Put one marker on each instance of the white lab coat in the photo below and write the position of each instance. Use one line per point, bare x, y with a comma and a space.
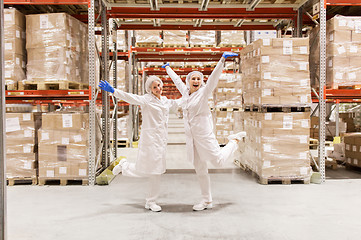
200, 139
154, 134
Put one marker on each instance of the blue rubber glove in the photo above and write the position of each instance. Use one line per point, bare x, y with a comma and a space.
229, 54
104, 85
165, 65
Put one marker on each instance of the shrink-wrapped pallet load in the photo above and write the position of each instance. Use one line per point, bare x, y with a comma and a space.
14, 42
57, 49
343, 61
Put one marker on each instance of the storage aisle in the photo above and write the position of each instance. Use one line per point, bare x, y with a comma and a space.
176, 151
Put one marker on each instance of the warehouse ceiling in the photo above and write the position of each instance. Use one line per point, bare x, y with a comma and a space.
188, 14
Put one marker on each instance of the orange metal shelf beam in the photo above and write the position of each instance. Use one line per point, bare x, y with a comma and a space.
343, 2
47, 2
343, 95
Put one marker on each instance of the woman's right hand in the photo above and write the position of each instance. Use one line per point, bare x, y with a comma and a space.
104, 85
229, 54
165, 65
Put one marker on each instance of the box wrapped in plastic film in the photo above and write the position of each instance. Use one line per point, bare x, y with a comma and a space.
122, 75
227, 123
175, 38
277, 145
343, 43
149, 38
231, 39
14, 45
202, 38
228, 93
276, 71
63, 146
57, 48
21, 145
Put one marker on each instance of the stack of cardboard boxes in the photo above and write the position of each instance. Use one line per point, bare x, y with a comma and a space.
277, 144
228, 93
275, 71
231, 39
343, 66
202, 38
227, 123
122, 75
276, 94
149, 38
15, 54
353, 149
176, 38
57, 48
21, 145
63, 146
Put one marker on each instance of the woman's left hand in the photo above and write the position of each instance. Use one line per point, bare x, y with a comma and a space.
229, 54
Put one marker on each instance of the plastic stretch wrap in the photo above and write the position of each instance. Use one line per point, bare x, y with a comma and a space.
202, 38
122, 126
276, 71
57, 46
148, 37
229, 91
277, 144
122, 75
20, 149
353, 149
343, 42
14, 45
63, 145
177, 38
227, 122
232, 38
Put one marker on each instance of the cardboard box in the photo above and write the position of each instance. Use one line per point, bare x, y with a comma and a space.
13, 17
65, 121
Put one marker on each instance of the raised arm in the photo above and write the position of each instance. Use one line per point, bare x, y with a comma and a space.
176, 79
217, 71
127, 97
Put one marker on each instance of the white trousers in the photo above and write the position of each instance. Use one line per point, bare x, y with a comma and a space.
200, 165
128, 169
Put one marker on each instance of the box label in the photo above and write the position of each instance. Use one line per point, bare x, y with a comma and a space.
265, 59
267, 75
341, 50
67, 121
65, 141
268, 116
17, 34
44, 21
8, 17
7, 74
303, 170
50, 173
27, 117
267, 148
27, 149
27, 164
287, 122
44, 135
12, 124
303, 50
77, 138
8, 46
82, 172
28, 133
62, 170
305, 123
353, 49
266, 164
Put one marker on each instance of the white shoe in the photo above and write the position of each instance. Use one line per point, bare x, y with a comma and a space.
118, 168
237, 136
202, 206
153, 207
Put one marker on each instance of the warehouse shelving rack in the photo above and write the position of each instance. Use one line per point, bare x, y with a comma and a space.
263, 13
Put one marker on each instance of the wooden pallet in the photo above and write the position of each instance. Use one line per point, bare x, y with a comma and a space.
313, 144
22, 180
11, 86
228, 109
63, 181
231, 45
278, 179
121, 143
175, 45
203, 45
49, 85
276, 108
283, 180
148, 45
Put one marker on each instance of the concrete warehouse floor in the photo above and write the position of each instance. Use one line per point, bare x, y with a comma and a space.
243, 209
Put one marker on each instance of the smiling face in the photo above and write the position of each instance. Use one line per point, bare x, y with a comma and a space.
195, 82
157, 88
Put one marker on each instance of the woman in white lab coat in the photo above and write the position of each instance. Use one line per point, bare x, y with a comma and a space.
153, 138
202, 145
